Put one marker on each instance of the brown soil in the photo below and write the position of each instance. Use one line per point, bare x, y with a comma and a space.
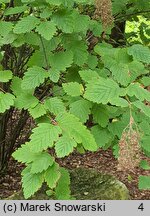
103, 161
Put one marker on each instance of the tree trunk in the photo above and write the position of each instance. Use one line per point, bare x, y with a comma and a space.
118, 34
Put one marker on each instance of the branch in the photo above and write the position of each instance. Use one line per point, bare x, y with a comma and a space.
132, 14
2, 90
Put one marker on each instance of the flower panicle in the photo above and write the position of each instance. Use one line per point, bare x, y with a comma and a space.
104, 11
129, 148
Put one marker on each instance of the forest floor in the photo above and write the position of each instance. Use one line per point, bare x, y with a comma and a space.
103, 161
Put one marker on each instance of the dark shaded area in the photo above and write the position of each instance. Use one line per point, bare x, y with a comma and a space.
103, 161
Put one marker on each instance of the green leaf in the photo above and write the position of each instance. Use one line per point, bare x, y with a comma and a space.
119, 102
96, 28
102, 136
79, 50
92, 61
27, 1
100, 115
37, 111
49, 193
15, 10
136, 69
44, 136
145, 143
138, 91
16, 86
26, 24
54, 105
72, 74
84, 21
88, 75
8, 39
144, 124
52, 175
144, 182
64, 20
145, 165
5, 28
6, 101
32, 38
64, 146
24, 154
54, 75
73, 89
119, 6
31, 183
61, 60
37, 59
34, 77
145, 81
75, 129
55, 2
102, 90
25, 101
65, 3
81, 109
116, 151
120, 72
5, 75
62, 190
46, 29
117, 127
117, 62
140, 53
145, 109
41, 162
46, 13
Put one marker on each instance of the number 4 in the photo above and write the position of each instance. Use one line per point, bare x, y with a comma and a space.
141, 207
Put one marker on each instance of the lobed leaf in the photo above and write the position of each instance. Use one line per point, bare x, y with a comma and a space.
71, 126
81, 109
73, 89
62, 190
140, 53
138, 91
102, 90
6, 101
41, 162
37, 111
34, 77
5, 75
54, 105
101, 135
64, 146
44, 136
31, 183
24, 154
145, 109
46, 29
26, 24
144, 182
52, 175
25, 101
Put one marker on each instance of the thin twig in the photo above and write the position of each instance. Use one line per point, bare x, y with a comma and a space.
132, 14
2, 90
